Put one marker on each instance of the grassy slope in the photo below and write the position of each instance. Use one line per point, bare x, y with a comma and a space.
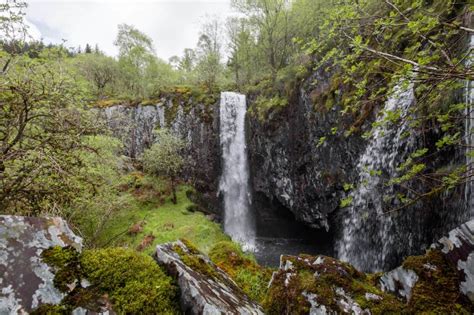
167, 222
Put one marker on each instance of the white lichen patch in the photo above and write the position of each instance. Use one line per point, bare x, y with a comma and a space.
400, 281
467, 286
27, 282
316, 308
318, 261
372, 297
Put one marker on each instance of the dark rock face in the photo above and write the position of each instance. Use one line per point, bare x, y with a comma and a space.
205, 289
291, 167
27, 281
288, 165
196, 123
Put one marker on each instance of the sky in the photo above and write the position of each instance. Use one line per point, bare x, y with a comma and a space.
172, 24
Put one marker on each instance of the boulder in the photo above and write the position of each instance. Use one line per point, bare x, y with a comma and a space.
452, 255
204, 288
26, 281
323, 285
440, 282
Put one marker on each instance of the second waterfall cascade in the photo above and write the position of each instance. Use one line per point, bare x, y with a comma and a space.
234, 182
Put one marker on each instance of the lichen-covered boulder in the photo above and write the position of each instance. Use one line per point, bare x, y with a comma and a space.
323, 285
204, 288
440, 280
458, 248
26, 281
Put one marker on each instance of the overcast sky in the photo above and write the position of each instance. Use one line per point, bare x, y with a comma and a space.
172, 24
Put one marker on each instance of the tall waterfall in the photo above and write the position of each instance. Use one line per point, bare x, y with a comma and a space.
468, 132
366, 238
234, 182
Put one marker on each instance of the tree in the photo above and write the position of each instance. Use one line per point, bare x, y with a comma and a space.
242, 43
136, 54
373, 46
41, 131
88, 49
209, 54
164, 158
272, 19
100, 70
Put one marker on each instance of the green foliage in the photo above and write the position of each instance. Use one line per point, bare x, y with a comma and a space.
164, 158
42, 123
263, 106
346, 202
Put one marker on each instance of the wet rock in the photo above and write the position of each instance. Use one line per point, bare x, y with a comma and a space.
26, 281
205, 289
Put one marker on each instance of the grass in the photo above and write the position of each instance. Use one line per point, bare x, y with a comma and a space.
166, 221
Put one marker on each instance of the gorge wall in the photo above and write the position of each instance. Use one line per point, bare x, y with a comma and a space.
291, 167
191, 117
297, 177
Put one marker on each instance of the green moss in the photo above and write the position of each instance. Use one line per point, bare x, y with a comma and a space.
437, 289
252, 278
194, 259
133, 282
323, 279
48, 309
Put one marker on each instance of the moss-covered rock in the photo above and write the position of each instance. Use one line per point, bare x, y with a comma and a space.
306, 284
437, 288
113, 278
251, 277
204, 287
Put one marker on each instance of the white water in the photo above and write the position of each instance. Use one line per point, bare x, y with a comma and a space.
366, 237
234, 182
468, 133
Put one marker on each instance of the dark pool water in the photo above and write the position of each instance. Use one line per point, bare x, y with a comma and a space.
269, 249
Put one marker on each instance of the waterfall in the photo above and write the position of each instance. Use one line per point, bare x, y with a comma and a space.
234, 182
366, 232
468, 134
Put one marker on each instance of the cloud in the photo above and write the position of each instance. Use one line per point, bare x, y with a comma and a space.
173, 25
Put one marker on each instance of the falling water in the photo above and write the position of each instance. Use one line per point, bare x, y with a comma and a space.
238, 221
366, 237
468, 134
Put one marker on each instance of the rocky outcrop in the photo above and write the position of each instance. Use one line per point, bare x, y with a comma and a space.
26, 280
456, 250
193, 118
438, 282
205, 288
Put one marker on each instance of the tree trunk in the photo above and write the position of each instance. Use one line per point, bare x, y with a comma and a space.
174, 198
